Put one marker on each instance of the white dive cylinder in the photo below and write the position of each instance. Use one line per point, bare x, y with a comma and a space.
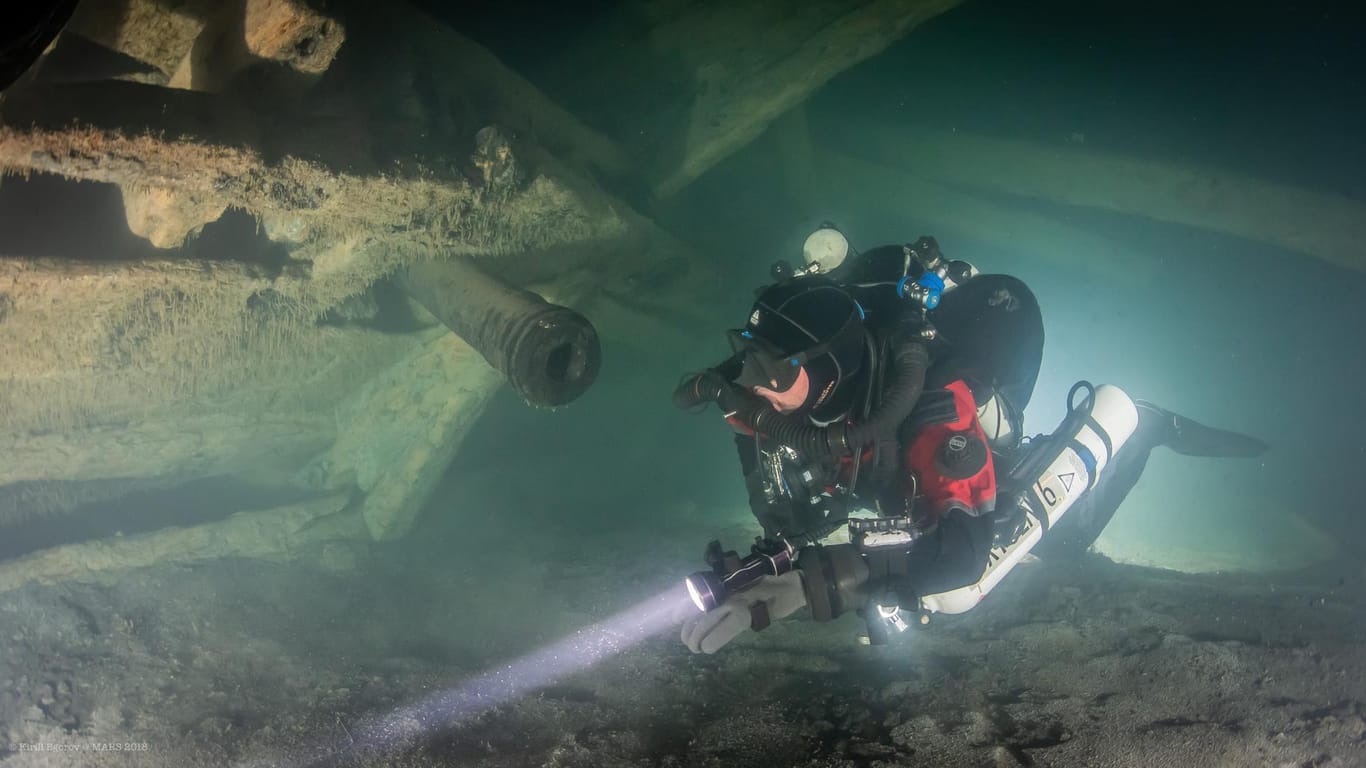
1067, 465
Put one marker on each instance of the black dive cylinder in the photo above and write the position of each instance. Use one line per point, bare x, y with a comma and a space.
549, 354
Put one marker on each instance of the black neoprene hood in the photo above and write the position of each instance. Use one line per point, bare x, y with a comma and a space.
807, 323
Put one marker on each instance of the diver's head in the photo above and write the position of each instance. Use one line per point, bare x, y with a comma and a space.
803, 348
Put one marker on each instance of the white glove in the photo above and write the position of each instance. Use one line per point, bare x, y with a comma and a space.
707, 632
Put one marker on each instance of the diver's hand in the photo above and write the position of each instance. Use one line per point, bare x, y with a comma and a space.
737, 402
698, 388
708, 386
781, 596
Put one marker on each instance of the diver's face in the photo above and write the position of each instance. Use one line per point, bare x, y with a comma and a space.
789, 399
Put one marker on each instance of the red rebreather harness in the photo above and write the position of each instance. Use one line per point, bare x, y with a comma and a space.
947, 464
952, 460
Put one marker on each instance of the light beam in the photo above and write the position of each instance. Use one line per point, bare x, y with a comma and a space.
512, 680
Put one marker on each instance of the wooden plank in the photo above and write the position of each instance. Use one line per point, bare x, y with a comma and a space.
685, 85
945, 211
275, 534
1326, 226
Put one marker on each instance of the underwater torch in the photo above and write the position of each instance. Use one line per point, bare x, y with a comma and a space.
730, 574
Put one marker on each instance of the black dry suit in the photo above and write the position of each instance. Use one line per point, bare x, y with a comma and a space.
989, 335
864, 377
914, 376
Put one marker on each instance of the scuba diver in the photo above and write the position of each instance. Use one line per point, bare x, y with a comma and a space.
892, 383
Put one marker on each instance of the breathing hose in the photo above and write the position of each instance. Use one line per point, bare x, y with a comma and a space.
837, 440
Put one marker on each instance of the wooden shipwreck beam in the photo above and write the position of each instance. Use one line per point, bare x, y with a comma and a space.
956, 214
186, 367
695, 82
1329, 227
159, 34
145, 137
275, 534
203, 45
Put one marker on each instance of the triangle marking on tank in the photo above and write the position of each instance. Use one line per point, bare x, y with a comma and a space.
1066, 478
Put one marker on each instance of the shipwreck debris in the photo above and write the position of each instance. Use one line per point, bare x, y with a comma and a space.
549, 354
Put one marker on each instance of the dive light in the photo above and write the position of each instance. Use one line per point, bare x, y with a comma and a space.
730, 574
881, 540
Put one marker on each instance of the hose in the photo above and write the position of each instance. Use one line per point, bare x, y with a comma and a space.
844, 439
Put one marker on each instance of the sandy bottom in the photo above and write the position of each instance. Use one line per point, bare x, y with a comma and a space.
1207, 516
1095, 664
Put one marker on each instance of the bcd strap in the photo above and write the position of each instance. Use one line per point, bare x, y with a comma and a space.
758, 616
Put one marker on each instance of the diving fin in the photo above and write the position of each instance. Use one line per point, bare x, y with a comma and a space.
1191, 438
